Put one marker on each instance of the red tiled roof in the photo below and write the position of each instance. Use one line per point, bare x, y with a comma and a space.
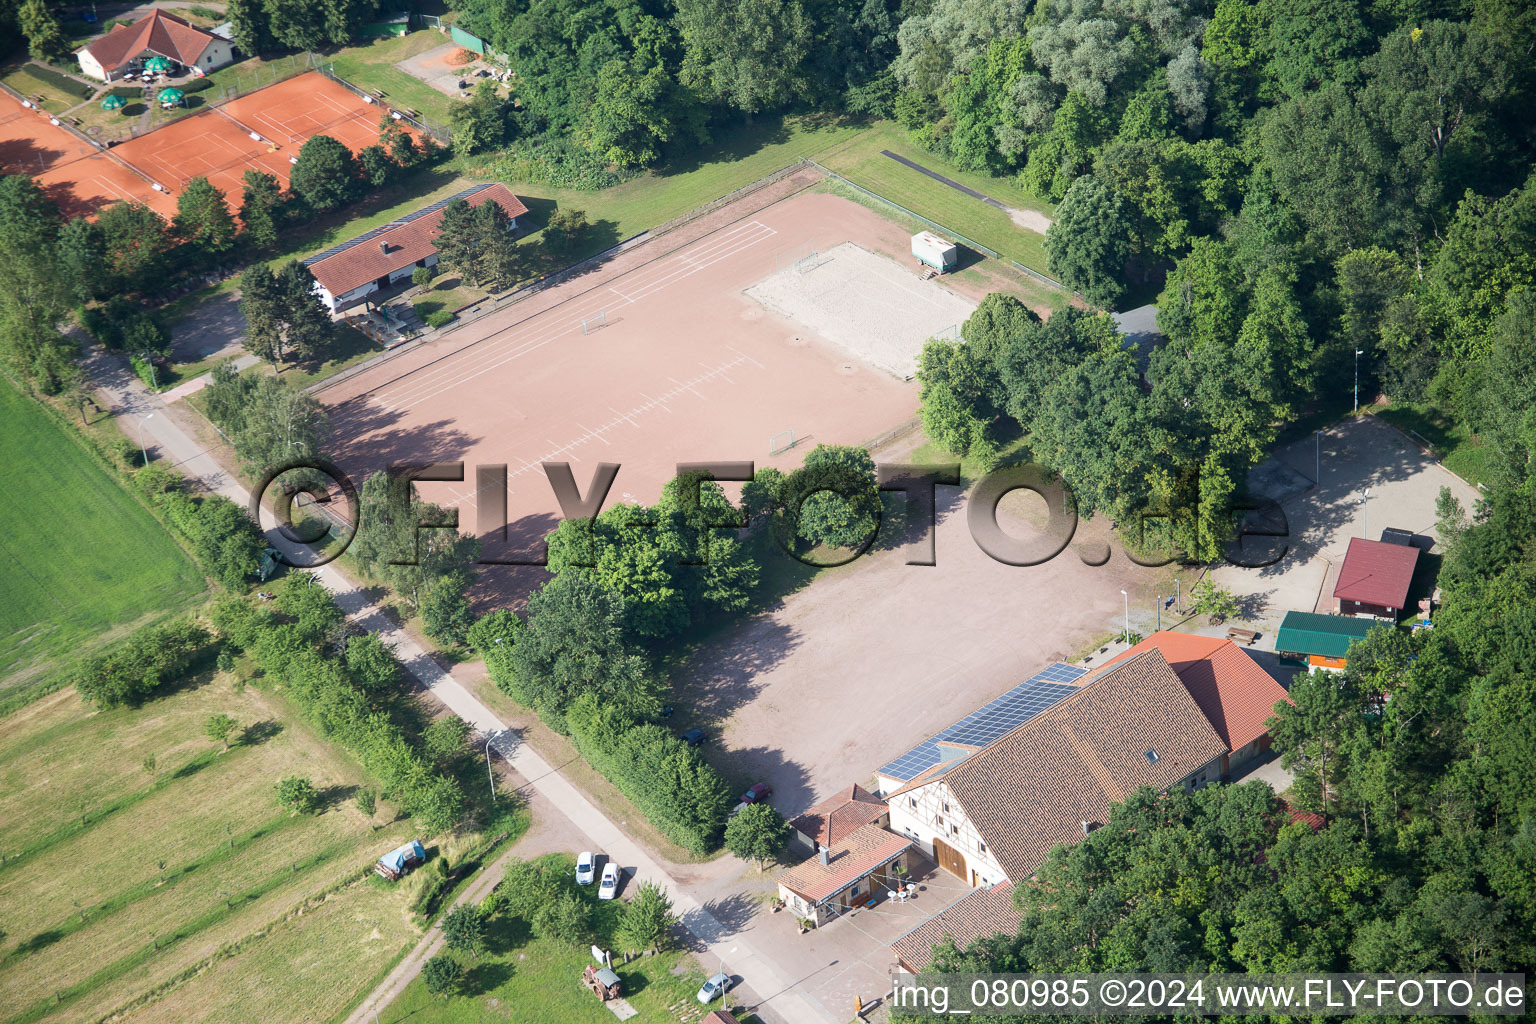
984, 912
720, 1017
363, 259
1376, 573
1032, 789
1234, 693
832, 819
159, 32
859, 853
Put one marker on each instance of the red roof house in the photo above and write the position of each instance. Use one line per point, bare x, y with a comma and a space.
988, 911
157, 35
348, 273
847, 874
1234, 693
831, 820
1375, 577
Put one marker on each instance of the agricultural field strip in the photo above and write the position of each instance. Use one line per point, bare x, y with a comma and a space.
150, 887
733, 241
90, 819
164, 942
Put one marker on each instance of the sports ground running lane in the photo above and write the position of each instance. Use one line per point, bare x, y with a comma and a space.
131, 399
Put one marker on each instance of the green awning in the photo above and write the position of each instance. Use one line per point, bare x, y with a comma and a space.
1327, 635
113, 102
157, 64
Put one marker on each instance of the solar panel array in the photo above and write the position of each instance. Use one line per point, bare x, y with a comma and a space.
376, 232
981, 727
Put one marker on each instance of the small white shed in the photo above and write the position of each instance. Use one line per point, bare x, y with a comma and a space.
931, 250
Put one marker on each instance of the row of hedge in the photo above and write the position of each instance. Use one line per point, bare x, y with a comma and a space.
297, 642
679, 792
147, 659
226, 542
64, 83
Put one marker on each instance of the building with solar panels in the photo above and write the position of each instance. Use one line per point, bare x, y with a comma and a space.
976, 730
990, 813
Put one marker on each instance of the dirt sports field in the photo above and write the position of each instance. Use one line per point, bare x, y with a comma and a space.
217, 144
685, 367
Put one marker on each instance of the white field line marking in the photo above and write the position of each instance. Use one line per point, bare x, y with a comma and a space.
559, 452
448, 376
417, 390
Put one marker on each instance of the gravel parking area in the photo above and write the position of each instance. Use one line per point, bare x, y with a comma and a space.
1346, 459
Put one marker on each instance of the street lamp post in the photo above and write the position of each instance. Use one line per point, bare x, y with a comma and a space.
490, 774
1127, 615
726, 985
143, 452
1358, 353
1178, 602
1317, 458
1365, 530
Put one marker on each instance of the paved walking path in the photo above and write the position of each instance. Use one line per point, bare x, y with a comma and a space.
761, 975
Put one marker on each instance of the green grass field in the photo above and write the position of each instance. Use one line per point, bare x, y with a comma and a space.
862, 162
522, 977
371, 64
1461, 451
82, 560
257, 914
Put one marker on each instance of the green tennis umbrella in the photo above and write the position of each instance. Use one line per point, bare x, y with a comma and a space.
113, 102
172, 95
157, 64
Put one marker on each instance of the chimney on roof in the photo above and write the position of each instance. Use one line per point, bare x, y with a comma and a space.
384, 248
822, 854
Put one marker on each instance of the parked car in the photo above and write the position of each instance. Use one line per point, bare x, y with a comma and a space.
714, 988
608, 888
757, 794
585, 868
694, 737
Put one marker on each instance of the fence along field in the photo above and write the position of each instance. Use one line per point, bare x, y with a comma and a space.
82, 560
117, 882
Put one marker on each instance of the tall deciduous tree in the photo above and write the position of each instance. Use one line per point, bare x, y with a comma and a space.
757, 833
646, 921
745, 53
1091, 240
261, 209
203, 218
327, 176
34, 288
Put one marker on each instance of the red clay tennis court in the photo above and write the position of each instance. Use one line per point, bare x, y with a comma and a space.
263, 130
207, 145
297, 109
76, 175
29, 144
82, 187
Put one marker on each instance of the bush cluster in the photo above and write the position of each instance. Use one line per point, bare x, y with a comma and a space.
560, 165
133, 669
679, 792
225, 541
297, 643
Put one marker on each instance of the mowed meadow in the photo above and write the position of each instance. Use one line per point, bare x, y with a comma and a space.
81, 559
178, 889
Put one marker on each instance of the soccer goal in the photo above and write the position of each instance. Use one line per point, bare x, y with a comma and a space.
594, 323
808, 263
783, 441
950, 333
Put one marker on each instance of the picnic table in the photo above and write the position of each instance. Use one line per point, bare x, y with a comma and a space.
1247, 636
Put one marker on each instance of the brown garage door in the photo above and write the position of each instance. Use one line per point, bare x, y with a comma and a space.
949, 858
